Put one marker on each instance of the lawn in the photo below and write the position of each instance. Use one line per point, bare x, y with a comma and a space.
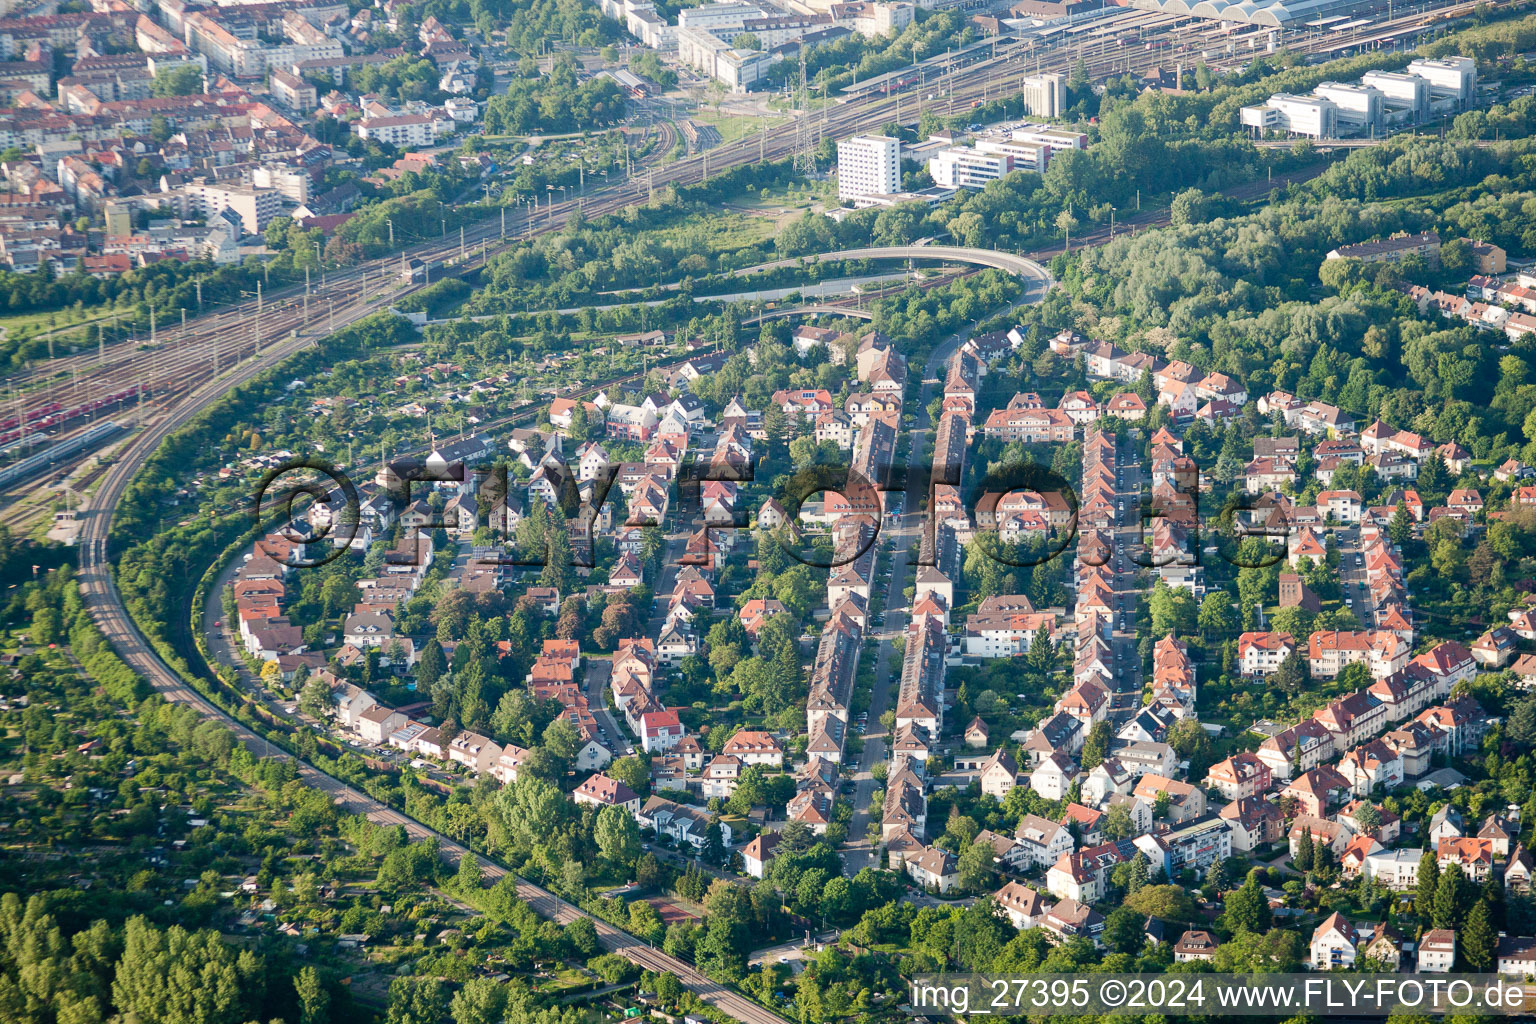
733, 126
565, 981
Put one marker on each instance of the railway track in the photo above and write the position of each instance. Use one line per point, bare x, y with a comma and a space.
213, 342
104, 603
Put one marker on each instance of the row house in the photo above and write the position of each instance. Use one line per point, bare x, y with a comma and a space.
1318, 791
1254, 823
1030, 426
1372, 764
1382, 651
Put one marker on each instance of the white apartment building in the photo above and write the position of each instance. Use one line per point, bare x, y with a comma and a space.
1045, 95
868, 165
641, 21
239, 53
255, 206
872, 19
292, 184
410, 130
722, 17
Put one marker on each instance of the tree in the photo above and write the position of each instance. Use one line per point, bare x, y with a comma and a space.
315, 698
186, 80
416, 1001
469, 875
1450, 897
1130, 876
1478, 938
1216, 621
714, 842
1168, 902
975, 865
1247, 908
1096, 746
1188, 207
1305, 855
617, 835
632, 772
479, 1001
431, 665
1400, 528
1125, 931
1042, 653
314, 1000
1291, 676
1428, 881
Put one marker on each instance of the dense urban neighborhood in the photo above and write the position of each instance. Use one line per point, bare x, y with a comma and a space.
547, 512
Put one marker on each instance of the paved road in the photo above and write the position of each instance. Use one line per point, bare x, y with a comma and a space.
908, 530
859, 853
1124, 643
105, 605
598, 671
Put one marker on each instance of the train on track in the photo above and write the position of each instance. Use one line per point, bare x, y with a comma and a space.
65, 448
52, 414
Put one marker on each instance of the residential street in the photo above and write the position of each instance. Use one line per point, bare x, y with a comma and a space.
859, 852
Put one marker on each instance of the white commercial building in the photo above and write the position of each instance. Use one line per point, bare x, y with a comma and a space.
1400, 91
1311, 116
726, 17
868, 165
958, 167
707, 52
1359, 107
1025, 156
1055, 139
1045, 95
1453, 77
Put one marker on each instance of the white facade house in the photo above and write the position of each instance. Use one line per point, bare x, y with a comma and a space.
1333, 944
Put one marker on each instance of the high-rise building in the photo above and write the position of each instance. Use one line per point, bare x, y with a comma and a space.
868, 165
1045, 95
119, 218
